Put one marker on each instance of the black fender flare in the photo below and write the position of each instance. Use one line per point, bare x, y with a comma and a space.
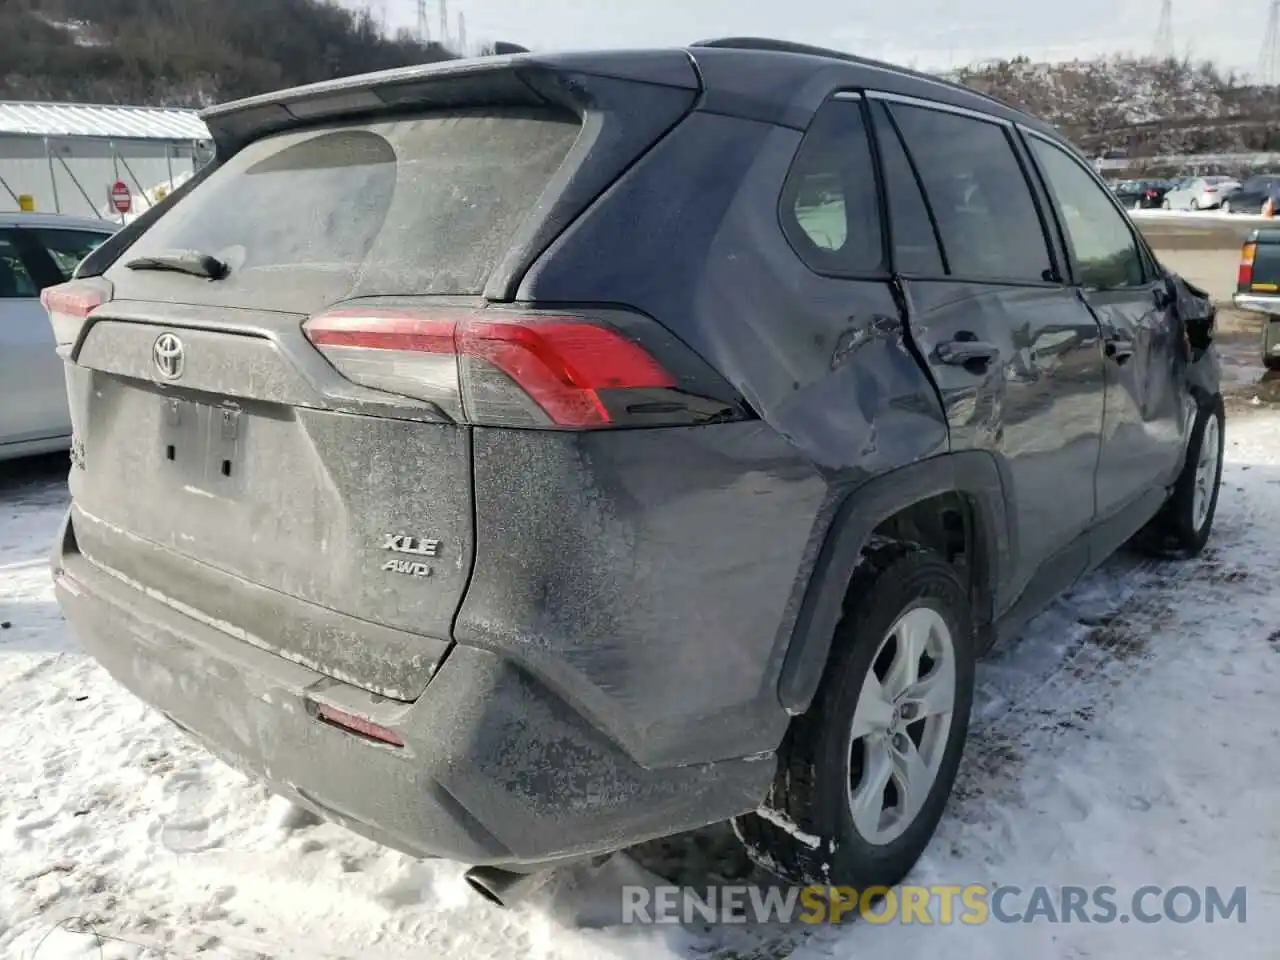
974, 474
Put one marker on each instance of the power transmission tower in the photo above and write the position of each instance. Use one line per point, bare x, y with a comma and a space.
444, 23
424, 26
1269, 61
1164, 48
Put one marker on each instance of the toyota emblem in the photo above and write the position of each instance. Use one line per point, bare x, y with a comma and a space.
168, 355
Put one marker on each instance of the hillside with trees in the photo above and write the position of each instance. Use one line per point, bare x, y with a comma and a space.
195, 52
187, 53
1139, 107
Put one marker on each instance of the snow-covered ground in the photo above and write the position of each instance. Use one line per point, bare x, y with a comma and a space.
1193, 216
1131, 737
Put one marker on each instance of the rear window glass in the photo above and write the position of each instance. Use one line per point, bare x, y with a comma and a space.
402, 206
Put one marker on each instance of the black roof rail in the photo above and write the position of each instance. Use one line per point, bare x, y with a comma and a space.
787, 46
777, 46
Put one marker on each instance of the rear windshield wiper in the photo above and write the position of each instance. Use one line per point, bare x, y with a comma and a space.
183, 261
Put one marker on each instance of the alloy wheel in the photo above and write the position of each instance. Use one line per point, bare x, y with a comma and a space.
901, 725
1206, 473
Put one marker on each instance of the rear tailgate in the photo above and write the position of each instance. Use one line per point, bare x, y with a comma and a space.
225, 467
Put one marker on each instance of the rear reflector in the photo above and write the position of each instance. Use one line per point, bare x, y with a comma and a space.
1244, 277
492, 368
356, 724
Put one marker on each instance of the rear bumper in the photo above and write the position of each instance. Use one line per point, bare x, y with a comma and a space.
1268, 303
496, 769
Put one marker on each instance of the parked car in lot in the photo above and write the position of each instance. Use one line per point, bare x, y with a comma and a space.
1253, 194
1200, 193
1142, 194
36, 251
1258, 289
614, 466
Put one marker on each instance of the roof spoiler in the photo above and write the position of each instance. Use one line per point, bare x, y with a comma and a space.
514, 79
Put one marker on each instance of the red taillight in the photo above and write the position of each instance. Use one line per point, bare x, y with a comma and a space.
70, 304
1151, 194
565, 365
73, 299
356, 724
1210, 189
1244, 277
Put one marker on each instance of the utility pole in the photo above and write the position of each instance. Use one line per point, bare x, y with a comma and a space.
1164, 48
424, 27
462, 33
444, 23
1269, 61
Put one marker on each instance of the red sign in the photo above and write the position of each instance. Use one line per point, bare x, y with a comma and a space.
121, 198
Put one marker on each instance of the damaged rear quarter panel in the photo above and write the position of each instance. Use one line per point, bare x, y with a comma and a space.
679, 626
822, 359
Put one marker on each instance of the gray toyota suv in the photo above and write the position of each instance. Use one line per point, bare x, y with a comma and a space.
519, 458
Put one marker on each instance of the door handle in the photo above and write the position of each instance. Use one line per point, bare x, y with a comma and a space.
1119, 350
959, 353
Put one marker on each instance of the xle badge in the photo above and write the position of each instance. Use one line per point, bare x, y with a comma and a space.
416, 546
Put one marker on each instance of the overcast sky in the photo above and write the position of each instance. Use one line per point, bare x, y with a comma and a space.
928, 33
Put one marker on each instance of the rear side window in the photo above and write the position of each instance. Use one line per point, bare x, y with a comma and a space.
830, 210
979, 195
1105, 252
15, 279
68, 247
405, 206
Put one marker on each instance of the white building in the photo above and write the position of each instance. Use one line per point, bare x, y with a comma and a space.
64, 158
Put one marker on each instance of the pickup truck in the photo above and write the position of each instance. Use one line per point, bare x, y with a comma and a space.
1258, 288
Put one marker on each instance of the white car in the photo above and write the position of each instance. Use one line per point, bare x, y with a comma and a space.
36, 251
1200, 193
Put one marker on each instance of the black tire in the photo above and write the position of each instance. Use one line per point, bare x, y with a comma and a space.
1175, 529
807, 832
1271, 363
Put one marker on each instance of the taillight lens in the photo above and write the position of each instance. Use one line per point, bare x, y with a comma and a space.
70, 304
509, 369
1244, 277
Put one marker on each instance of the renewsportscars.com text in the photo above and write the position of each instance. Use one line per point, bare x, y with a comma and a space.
942, 904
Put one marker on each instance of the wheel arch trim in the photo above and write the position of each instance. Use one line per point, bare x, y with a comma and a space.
974, 475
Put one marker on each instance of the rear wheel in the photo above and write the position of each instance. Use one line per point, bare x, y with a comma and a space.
863, 776
1271, 363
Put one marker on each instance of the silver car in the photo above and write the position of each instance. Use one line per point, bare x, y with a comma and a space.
36, 251
1200, 193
